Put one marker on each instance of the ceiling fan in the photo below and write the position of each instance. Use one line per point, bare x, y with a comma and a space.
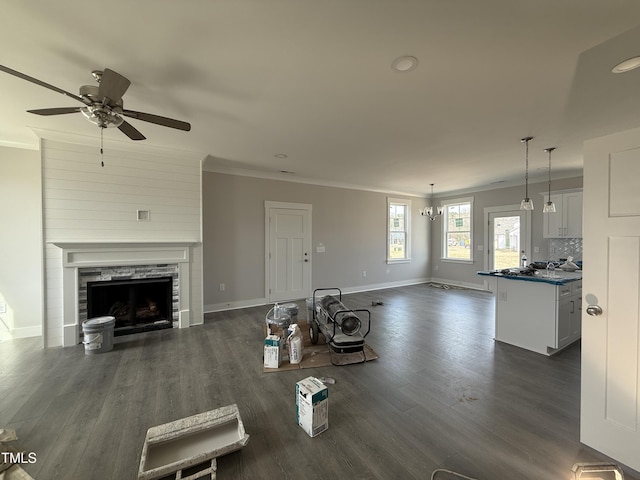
103, 103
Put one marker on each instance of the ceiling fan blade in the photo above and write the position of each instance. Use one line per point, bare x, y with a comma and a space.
15, 73
55, 111
164, 121
130, 131
112, 85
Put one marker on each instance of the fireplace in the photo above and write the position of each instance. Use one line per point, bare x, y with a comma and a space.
140, 297
138, 305
84, 263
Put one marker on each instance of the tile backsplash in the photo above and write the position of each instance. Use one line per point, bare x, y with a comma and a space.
565, 247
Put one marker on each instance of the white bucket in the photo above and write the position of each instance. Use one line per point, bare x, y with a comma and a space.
98, 335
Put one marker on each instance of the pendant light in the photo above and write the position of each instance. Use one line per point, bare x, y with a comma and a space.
549, 207
527, 203
428, 212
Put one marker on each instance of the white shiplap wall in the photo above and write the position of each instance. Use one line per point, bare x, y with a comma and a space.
85, 202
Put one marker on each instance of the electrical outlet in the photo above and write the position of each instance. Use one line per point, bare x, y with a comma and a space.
364, 273
3, 307
222, 287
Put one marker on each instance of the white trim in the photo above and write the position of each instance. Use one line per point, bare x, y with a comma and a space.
457, 201
25, 332
123, 145
224, 306
526, 241
287, 177
382, 286
112, 254
258, 302
284, 177
34, 145
268, 205
407, 222
560, 192
455, 283
76, 255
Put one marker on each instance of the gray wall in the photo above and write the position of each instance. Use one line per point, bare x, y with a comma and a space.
21, 241
465, 274
350, 223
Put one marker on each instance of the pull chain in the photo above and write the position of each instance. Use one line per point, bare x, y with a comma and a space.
101, 145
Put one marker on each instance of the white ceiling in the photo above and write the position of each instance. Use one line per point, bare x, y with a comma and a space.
313, 80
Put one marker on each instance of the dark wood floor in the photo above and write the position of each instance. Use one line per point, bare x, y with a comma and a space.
443, 394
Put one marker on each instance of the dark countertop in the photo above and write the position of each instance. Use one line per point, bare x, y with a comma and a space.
560, 277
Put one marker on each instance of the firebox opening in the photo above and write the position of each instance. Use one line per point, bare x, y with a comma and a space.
138, 305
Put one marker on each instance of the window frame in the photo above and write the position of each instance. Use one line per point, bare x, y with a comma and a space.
445, 222
407, 230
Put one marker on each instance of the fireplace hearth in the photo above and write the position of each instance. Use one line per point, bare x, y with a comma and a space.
138, 305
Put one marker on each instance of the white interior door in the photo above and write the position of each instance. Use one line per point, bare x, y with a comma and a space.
610, 397
288, 251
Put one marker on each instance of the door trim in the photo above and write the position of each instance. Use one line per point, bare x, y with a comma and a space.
268, 205
524, 241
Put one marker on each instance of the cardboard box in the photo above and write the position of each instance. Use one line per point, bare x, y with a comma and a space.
312, 406
272, 351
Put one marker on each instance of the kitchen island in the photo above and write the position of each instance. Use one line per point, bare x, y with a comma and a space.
540, 312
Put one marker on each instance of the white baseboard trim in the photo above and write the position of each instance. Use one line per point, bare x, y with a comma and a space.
27, 332
454, 283
257, 302
382, 286
221, 307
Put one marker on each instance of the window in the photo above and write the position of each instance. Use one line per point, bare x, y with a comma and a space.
398, 233
457, 222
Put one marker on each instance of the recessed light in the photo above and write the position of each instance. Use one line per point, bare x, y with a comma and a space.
627, 65
281, 155
404, 64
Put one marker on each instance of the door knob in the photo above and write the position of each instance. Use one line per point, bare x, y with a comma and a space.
594, 310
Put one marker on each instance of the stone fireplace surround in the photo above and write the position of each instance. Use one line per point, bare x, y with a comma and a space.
79, 258
129, 272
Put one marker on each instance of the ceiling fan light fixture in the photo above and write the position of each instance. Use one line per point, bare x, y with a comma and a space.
627, 65
101, 117
404, 64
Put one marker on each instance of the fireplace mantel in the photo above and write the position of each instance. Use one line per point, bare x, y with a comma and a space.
89, 254
77, 255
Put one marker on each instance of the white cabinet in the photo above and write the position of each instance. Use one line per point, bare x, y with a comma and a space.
576, 310
567, 219
539, 316
568, 314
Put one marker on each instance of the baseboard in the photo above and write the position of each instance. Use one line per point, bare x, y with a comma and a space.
455, 283
221, 307
27, 332
257, 302
382, 286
